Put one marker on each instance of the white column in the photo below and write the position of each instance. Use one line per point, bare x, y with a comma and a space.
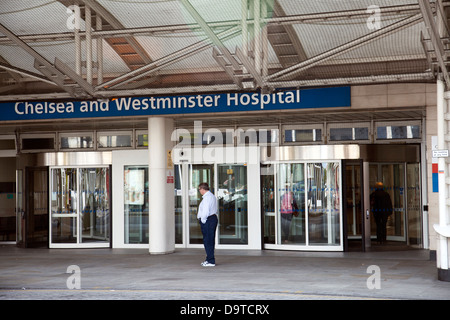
442, 253
161, 190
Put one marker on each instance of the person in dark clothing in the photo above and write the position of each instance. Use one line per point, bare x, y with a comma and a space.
381, 204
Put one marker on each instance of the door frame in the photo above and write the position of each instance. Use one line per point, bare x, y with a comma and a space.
78, 243
307, 246
248, 156
346, 183
26, 213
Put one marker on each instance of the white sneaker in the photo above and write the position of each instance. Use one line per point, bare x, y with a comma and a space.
207, 264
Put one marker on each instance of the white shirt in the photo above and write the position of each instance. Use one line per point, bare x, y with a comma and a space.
207, 207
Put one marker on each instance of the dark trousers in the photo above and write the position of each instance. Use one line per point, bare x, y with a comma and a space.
209, 237
381, 222
286, 219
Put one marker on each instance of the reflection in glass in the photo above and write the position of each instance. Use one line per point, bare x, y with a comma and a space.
413, 205
142, 140
291, 199
94, 204
398, 132
323, 203
353, 199
114, 141
232, 196
268, 203
197, 174
178, 205
77, 142
303, 135
136, 204
349, 134
393, 178
64, 205
80, 205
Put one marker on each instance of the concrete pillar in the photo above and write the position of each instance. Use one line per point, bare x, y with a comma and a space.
161, 187
442, 252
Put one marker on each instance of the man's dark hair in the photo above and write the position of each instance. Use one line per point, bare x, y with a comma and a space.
203, 186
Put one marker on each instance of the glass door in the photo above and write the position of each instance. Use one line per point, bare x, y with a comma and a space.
268, 203
94, 212
34, 219
197, 173
324, 203
80, 207
392, 176
64, 205
232, 197
291, 203
353, 205
413, 204
301, 203
136, 204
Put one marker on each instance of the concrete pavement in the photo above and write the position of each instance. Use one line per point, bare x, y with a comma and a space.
119, 274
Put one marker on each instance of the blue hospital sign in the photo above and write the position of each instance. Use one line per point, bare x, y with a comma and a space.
182, 104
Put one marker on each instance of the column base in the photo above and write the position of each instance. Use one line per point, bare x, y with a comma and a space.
444, 275
161, 252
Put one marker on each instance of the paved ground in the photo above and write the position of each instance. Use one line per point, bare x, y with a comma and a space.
124, 274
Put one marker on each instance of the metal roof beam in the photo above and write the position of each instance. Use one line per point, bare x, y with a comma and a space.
433, 32
25, 73
120, 31
351, 45
426, 76
210, 33
41, 64
167, 60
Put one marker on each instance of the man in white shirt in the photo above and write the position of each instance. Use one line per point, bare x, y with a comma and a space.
207, 216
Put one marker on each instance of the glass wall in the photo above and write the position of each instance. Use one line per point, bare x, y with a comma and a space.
302, 205
291, 199
178, 205
324, 203
94, 204
413, 206
136, 204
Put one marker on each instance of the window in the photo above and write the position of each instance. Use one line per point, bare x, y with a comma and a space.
349, 132
141, 139
398, 131
7, 146
208, 137
257, 136
76, 141
37, 142
114, 140
303, 134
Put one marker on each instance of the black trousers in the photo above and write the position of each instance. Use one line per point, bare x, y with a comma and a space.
209, 237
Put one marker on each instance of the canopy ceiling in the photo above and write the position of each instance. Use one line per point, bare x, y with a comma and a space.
133, 47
